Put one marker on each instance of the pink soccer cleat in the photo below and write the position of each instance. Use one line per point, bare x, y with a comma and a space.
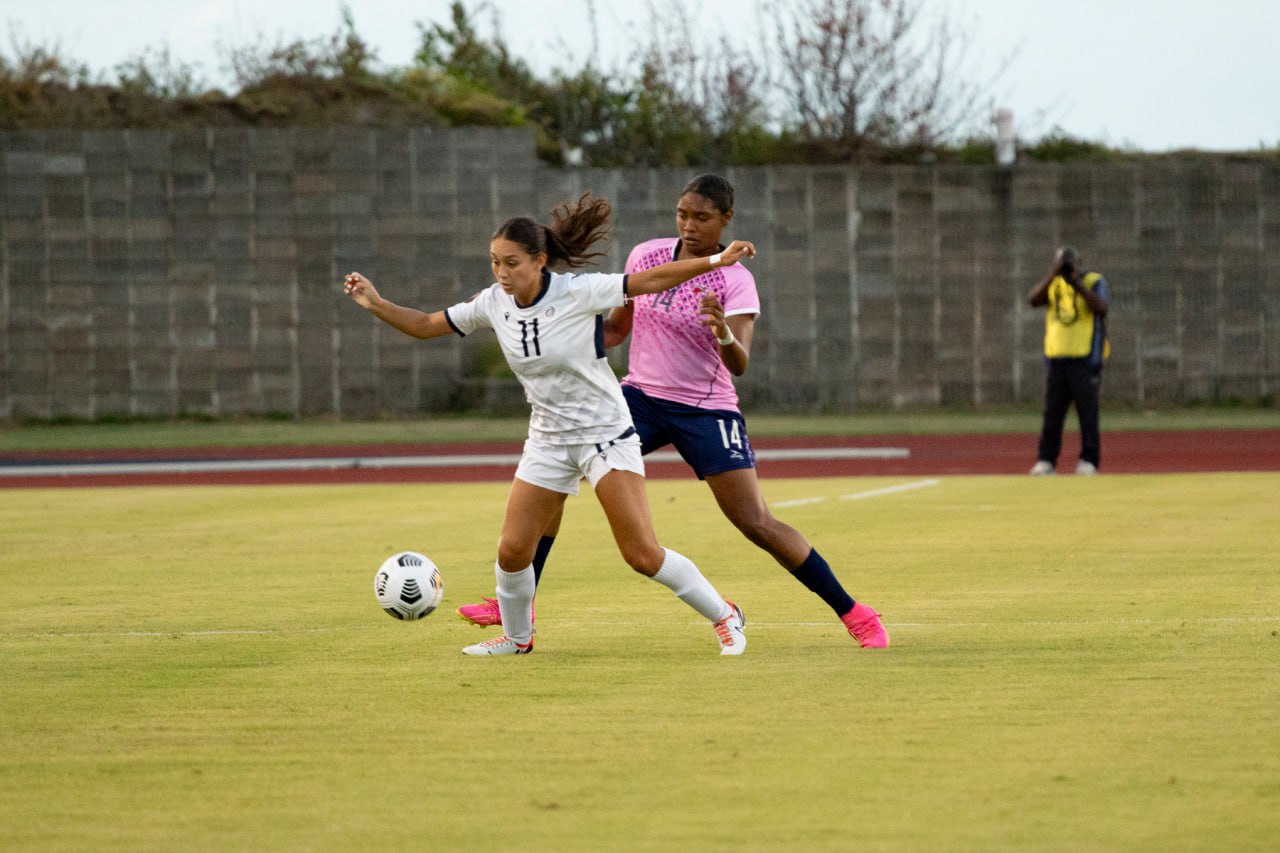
865, 627
485, 614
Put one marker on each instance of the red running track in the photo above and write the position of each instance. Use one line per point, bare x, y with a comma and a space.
1170, 451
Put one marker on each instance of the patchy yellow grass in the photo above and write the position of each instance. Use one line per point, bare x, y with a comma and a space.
1077, 663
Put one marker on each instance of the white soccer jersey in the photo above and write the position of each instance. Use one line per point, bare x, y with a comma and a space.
555, 347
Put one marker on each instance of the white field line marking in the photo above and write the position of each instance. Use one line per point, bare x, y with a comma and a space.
857, 496
891, 490
247, 632
799, 502
343, 463
577, 623
1059, 623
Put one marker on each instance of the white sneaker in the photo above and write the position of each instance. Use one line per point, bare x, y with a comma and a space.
1041, 469
503, 645
729, 631
1087, 468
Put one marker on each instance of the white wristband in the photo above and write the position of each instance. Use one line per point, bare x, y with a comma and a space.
715, 260
727, 339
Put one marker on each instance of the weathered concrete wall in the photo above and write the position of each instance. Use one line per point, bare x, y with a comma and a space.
151, 273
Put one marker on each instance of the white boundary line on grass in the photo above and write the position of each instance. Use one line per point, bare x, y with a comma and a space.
1219, 620
243, 632
858, 496
1058, 623
344, 463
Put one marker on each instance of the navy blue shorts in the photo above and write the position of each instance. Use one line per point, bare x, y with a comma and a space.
712, 441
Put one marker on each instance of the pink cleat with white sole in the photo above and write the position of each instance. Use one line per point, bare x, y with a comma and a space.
485, 614
864, 626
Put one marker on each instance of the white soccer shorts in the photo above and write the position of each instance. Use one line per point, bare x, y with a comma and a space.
560, 467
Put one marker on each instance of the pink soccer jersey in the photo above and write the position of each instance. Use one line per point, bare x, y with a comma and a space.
673, 356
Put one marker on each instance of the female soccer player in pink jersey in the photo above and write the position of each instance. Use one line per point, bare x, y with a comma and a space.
550, 327
687, 343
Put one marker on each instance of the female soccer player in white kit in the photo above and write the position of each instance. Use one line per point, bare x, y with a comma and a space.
550, 327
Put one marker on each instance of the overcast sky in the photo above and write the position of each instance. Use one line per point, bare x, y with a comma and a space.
1145, 74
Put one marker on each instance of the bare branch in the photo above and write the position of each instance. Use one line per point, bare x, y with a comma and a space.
865, 75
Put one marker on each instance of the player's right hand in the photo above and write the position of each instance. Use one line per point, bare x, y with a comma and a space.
736, 251
360, 289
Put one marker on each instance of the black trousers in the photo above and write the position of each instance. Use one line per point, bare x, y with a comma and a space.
1067, 381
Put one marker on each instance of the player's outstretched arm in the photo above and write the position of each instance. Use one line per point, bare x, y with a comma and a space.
668, 275
411, 321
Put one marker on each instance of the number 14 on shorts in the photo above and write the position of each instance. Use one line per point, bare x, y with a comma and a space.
730, 434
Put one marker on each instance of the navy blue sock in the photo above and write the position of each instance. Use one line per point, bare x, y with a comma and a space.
540, 556
816, 575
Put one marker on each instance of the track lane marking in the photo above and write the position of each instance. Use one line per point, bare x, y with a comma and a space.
348, 463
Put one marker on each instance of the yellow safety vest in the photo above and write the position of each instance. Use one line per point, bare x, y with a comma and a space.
1069, 322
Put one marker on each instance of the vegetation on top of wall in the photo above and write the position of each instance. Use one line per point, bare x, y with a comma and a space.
831, 81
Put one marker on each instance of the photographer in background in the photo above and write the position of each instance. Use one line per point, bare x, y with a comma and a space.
1075, 346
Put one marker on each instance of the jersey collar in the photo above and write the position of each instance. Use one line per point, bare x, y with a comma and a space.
675, 250
542, 291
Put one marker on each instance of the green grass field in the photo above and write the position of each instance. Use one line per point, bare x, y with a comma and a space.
1077, 664
445, 428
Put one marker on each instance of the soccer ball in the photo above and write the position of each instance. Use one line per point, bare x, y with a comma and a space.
408, 586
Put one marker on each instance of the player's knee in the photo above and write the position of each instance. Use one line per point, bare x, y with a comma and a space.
758, 525
514, 556
646, 559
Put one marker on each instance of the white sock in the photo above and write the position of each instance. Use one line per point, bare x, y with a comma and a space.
681, 576
515, 602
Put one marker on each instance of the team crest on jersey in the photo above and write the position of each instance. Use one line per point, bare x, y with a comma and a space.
551, 312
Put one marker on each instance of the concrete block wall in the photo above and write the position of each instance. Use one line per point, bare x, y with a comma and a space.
907, 285
195, 272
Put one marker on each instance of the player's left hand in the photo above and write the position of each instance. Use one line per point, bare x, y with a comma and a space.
711, 314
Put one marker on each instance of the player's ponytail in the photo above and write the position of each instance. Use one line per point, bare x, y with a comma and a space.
569, 238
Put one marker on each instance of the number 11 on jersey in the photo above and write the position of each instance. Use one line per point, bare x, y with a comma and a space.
525, 340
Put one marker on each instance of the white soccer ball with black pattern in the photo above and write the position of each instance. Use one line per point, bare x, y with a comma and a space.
408, 586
